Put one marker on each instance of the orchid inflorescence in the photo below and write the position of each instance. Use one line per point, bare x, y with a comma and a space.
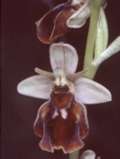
62, 121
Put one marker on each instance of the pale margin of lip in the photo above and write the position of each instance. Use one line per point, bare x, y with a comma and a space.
41, 114
90, 92
36, 86
63, 57
88, 154
113, 48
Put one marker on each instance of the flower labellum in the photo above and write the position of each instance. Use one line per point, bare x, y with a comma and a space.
57, 21
62, 122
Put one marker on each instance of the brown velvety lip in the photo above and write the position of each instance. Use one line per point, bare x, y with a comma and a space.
59, 133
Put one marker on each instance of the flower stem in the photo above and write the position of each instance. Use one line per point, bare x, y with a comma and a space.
89, 52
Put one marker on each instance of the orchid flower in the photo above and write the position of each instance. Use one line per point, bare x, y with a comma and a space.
57, 21
62, 122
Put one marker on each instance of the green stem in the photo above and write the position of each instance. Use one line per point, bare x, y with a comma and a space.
89, 52
91, 72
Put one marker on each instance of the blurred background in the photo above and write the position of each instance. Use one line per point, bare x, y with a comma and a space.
21, 52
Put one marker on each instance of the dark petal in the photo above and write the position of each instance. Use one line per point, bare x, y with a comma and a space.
38, 124
52, 24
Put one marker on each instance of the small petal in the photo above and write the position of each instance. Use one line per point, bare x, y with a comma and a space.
89, 92
63, 57
88, 154
78, 18
36, 86
44, 73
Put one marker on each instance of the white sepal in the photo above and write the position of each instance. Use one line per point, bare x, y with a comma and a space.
78, 19
63, 57
90, 92
36, 86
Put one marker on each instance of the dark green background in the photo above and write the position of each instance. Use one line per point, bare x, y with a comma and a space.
21, 52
